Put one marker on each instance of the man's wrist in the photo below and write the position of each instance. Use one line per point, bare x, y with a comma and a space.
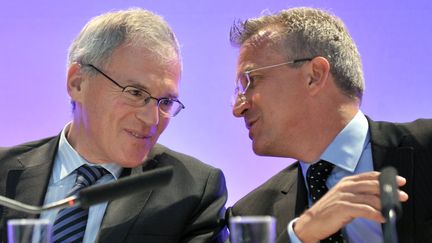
299, 227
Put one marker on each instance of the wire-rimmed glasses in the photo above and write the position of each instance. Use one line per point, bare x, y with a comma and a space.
168, 107
244, 80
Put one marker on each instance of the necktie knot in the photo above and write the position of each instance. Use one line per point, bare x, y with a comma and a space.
86, 176
70, 223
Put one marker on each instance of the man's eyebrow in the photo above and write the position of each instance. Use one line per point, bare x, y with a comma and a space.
132, 83
250, 67
136, 84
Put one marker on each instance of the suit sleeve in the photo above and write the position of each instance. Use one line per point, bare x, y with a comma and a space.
207, 223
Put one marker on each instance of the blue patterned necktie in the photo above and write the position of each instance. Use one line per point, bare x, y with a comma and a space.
316, 176
70, 223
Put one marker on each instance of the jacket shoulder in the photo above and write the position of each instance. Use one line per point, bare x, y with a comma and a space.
6, 152
416, 133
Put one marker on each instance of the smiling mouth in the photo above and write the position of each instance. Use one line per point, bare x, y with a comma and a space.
137, 135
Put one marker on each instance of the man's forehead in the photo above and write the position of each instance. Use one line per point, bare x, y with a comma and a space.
263, 46
262, 38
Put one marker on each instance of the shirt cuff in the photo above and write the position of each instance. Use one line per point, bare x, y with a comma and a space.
291, 234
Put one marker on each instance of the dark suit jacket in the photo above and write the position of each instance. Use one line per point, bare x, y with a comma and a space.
189, 209
407, 147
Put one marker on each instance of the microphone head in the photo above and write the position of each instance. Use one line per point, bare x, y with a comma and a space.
389, 192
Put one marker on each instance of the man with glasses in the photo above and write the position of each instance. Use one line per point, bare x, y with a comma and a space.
299, 88
123, 76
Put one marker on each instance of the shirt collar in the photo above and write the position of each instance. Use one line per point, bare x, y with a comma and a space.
68, 159
347, 147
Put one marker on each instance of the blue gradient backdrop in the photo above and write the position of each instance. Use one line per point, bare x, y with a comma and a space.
394, 39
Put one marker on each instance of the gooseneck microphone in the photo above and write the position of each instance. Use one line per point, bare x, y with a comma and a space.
391, 207
88, 196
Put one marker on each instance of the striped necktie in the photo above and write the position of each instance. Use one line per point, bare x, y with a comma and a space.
70, 223
316, 176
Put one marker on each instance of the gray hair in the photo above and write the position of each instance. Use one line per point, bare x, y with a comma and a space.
138, 27
307, 33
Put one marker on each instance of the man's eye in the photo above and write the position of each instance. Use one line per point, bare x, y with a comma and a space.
135, 92
166, 102
253, 79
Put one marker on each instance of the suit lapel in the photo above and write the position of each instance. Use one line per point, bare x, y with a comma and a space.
387, 150
293, 201
27, 180
121, 214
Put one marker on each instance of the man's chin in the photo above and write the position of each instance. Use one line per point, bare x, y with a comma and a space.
134, 161
262, 149
258, 149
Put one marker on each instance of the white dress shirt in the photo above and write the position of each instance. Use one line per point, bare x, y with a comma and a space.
63, 178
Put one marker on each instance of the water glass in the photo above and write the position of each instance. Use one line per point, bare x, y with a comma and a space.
252, 229
29, 231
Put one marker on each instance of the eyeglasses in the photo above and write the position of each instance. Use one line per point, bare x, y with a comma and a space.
244, 80
168, 107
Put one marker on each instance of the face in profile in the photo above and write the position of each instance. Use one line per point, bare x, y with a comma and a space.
273, 105
107, 126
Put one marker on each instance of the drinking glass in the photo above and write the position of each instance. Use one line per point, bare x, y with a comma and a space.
252, 229
29, 231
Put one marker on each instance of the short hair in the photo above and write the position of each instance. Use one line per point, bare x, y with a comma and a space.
104, 33
306, 33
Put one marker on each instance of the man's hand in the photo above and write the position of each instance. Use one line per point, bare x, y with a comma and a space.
354, 196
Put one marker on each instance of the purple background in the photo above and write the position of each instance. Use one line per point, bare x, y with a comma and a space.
394, 39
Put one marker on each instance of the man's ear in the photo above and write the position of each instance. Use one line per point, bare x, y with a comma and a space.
318, 74
75, 81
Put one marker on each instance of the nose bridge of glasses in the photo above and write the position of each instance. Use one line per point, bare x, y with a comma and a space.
161, 110
147, 100
150, 108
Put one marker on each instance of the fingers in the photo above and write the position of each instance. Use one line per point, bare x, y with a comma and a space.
364, 186
372, 200
403, 196
373, 175
400, 181
334, 211
364, 199
367, 182
356, 196
364, 210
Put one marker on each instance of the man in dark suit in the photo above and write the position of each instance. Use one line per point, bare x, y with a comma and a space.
299, 89
123, 76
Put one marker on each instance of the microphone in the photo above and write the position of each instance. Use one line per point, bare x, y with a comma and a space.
390, 205
88, 196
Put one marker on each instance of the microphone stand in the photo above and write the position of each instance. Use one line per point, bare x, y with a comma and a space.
391, 207
95, 194
19, 206
389, 228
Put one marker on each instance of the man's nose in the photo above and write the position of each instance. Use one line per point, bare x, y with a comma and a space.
149, 114
241, 107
